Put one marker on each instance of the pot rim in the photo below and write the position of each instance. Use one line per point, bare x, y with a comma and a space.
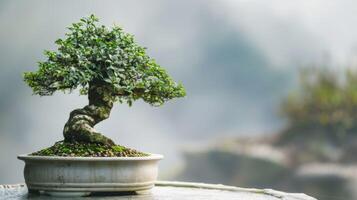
26, 157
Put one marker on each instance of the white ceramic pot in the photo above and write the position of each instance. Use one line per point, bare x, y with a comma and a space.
79, 176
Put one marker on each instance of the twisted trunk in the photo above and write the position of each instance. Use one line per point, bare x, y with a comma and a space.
81, 122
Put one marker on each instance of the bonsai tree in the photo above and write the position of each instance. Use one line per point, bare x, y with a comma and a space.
107, 65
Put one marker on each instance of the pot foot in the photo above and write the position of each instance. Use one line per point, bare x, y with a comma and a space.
67, 194
143, 192
32, 191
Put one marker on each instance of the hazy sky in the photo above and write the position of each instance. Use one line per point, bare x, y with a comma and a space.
237, 59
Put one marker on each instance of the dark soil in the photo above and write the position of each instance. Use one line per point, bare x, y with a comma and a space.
75, 149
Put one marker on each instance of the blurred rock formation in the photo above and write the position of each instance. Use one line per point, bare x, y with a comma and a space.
258, 162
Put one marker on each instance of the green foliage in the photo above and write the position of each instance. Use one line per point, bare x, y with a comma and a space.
325, 105
92, 54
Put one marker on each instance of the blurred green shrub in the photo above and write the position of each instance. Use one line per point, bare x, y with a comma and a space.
324, 107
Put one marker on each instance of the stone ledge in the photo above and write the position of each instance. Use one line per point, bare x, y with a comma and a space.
271, 192
166, 190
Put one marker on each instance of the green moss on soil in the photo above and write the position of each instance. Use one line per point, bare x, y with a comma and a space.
74, 149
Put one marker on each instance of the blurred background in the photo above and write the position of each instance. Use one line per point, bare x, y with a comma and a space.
271, 89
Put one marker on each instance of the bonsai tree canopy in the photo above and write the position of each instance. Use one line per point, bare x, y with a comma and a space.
107, 65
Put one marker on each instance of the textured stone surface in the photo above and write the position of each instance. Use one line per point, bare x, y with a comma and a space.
171, 191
